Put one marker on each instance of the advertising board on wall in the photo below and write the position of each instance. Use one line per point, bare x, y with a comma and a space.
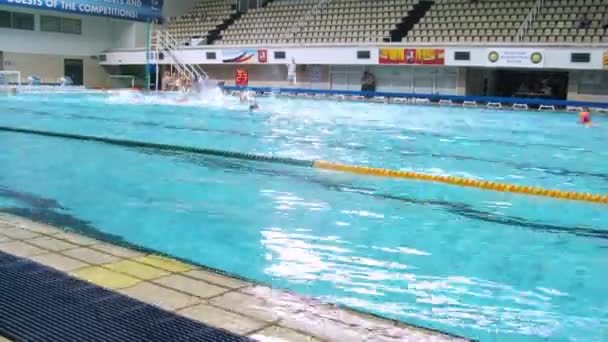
245, 56
605, 60
514, 57
138, 10
420, 56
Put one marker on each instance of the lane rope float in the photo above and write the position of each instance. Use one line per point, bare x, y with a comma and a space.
466, 182
325, 165
165, 147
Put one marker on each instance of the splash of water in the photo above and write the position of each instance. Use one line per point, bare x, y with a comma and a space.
204, 93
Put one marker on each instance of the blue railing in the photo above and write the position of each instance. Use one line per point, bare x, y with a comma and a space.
431, 97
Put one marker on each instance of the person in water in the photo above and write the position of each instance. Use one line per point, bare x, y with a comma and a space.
585, 117
253, 103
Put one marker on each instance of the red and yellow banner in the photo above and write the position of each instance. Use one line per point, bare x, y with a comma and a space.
426, 56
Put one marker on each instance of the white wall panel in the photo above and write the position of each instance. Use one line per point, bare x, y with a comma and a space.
554, 57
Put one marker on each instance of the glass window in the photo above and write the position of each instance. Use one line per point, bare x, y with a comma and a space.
58, 24
446, 81
338, 80
424, 80
593, 82
23, 21
50, 24
72, 26
5, 19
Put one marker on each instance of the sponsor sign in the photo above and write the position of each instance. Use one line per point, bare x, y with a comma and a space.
421, 56
605, 60
245, 56
138, 10
521, 58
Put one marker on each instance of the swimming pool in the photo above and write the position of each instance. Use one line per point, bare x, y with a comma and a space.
481, 264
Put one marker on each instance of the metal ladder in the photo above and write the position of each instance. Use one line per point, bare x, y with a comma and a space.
163, 42
525, 26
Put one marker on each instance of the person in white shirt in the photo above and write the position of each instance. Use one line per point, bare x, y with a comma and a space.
291, 72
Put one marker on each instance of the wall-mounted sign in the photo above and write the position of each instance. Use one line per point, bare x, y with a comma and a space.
605, 62
526, 58
245, 56
262, 56
424, 56
139, 10
241, 78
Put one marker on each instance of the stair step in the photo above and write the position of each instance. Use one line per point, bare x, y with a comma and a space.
407, 23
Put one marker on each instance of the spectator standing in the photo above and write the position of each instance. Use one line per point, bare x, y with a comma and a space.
368, 81
166, 80
291, 72
364, 80
582, 22
371, 82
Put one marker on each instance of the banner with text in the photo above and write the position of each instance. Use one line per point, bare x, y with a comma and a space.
138, 10
520, 58
425, 56
605, 60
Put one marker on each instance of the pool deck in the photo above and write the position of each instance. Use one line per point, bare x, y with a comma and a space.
206, 296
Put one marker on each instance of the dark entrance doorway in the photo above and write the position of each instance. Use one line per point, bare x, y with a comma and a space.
73, 69
545, 84
533, 83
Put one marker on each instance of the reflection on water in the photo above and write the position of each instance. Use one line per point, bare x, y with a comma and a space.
386, 286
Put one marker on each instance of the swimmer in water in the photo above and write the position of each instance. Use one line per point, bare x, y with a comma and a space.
249, 97
585, 118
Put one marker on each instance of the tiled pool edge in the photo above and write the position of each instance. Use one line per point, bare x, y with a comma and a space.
197, 292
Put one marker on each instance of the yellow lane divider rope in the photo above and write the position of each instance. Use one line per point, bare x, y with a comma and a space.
472, 183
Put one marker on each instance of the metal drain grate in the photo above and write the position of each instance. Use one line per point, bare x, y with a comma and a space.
38, 303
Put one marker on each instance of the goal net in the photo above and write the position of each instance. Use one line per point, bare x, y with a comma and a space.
121, 81
10, 78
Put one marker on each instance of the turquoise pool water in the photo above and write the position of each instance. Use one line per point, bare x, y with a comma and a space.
486, 265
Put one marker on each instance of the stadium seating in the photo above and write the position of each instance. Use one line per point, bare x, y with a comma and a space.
498, 21
375, 21
205, 17
303, 21
267, 24
556, 22
466, 21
